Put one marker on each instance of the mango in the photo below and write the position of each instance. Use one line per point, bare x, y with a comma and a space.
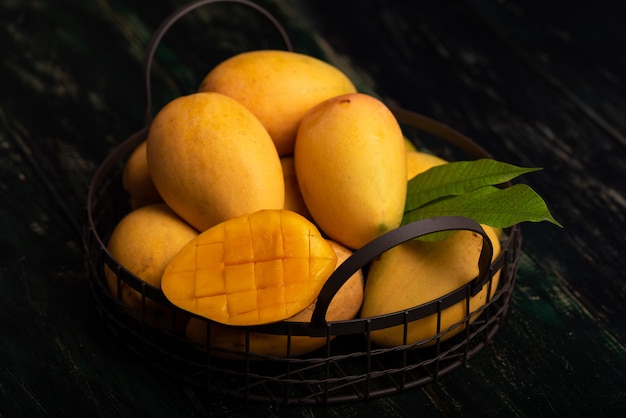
293, 196
254, 269
345, 305
212, 160
418, 161
278, 87
420, 271
347, 301
144, 241
136, 179
410, 146
350, 161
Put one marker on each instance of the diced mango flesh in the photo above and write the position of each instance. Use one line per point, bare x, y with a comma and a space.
254, 269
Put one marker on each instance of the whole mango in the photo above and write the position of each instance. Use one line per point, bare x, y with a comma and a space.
420, 271
144, 241
350, 161
418, 161
136, 179
212, 160
293, 196
410, 146
278, 87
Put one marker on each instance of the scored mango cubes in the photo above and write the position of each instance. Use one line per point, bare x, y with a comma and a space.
254, 269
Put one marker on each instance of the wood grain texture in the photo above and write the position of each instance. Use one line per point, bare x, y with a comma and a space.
537, 84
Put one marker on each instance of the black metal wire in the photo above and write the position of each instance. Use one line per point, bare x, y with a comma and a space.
347, 368
175, 16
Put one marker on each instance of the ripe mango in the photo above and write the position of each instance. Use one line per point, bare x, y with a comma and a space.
136, 179
418, 161
410, 146
293, 196
347, 301
144, 241
211, 160
344, 306
350, 161
417, 272
254, 269
278, 87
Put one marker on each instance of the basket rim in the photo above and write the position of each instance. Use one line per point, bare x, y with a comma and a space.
163, 348
318, 326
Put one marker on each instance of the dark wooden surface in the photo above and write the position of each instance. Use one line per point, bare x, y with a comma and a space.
536, 83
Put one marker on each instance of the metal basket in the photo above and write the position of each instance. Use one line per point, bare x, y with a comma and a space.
348, 366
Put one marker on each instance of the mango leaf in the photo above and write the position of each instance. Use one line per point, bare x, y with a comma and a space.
457, 178
489, 205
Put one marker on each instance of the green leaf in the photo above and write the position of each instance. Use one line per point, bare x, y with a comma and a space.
489, 205
457, 178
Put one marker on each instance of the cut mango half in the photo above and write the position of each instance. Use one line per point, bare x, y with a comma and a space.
254, 269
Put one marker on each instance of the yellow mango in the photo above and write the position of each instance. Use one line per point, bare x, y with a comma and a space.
144, 241
347, 301
417, 162
278, 87
136, 179
350, 161
410, 146
212, 160
345, 305
253, 269
293, 197
417, 272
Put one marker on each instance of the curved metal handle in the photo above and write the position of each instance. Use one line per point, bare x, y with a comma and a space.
439, 130
171, 19
374, 248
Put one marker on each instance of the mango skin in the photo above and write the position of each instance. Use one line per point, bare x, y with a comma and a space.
410, 146
136, 179
417, 272
418, 161
344, 306
144, 241
293, 196
278, 87
211, 160
350, 161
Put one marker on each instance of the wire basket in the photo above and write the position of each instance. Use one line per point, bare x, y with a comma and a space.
347, 366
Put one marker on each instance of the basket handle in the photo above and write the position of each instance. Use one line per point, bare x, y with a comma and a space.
439, 130
171, 19
361, 257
